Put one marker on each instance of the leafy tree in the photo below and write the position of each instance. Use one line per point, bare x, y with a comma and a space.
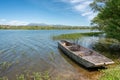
108, 18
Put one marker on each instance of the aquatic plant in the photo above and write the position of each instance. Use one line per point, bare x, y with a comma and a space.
34, 76
37, 76
46, 75
21, 77
5, 65
4, 78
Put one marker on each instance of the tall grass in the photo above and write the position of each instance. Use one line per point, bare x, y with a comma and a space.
76, 35
67, 36
111, 74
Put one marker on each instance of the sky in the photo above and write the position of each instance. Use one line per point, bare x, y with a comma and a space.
60, 12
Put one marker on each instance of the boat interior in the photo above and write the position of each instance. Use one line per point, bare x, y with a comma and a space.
77, 49
86, 53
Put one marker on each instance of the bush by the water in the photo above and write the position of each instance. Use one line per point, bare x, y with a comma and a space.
107, 44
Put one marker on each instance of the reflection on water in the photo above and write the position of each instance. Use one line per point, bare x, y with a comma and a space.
87, 41
35, 51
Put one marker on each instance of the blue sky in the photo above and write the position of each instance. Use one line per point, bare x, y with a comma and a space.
64, 12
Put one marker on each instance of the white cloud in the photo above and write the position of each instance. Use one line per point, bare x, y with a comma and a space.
82, 6
76, 1
12, 22
87, 13
16, 22
73, 1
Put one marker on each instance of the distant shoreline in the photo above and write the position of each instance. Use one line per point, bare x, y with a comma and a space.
7, 27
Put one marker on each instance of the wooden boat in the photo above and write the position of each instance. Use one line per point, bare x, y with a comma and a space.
82, 55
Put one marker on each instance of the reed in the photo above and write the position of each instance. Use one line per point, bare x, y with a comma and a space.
76, 35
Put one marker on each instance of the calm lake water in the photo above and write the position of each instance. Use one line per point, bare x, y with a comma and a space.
35, 51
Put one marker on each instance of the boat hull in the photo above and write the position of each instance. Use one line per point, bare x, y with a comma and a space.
76, 58
80, 60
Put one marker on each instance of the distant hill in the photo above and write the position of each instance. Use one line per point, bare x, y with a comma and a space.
44, 24
37, 24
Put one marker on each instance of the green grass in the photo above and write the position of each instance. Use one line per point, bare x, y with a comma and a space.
68, 36
76, 35
111, 74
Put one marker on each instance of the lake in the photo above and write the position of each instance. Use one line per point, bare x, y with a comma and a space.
23, 51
